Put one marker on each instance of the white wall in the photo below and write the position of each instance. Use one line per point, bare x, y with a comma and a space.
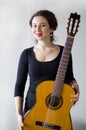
15, 35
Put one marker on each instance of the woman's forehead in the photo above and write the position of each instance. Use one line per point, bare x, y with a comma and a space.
38, 19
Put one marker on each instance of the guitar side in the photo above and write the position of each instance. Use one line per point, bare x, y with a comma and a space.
41, 117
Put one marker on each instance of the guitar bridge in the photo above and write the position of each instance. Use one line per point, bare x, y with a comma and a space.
47, 125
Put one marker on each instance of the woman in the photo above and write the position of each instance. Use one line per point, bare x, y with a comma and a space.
40, 62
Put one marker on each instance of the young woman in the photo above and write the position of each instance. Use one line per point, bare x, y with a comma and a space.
40, 62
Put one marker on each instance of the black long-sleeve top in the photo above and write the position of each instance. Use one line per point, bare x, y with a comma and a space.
38, 71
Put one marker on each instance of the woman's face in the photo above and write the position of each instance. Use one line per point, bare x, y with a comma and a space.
40, 28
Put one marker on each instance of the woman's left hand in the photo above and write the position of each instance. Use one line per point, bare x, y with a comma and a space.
75, 86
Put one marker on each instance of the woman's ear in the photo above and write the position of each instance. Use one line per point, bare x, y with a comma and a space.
51, 30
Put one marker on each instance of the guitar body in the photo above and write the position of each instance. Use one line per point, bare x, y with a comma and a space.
42, 117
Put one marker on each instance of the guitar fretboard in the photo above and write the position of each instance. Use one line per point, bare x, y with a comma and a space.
60, 76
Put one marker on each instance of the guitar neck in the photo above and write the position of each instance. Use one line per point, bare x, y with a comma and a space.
60, 76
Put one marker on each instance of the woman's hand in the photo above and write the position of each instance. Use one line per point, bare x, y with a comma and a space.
20, 121
75, 86
19, 104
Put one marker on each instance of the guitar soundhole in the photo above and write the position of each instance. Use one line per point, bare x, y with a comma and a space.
53, 102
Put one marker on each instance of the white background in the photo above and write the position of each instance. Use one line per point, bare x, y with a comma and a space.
15, 35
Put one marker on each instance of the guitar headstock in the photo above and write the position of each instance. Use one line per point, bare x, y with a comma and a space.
73, 24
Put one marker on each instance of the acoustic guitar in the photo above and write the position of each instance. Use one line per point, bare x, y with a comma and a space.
52, 108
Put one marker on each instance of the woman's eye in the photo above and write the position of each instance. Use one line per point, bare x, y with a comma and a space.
42, 25
34, 26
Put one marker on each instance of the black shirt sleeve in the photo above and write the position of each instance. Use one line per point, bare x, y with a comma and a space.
21, 74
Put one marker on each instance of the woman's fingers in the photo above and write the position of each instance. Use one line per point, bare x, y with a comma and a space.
20, 122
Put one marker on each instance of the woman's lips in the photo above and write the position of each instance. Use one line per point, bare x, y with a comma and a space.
38, 34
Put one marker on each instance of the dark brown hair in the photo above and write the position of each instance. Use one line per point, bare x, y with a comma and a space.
50, 18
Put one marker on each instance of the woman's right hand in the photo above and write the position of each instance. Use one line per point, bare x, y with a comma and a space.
20, 122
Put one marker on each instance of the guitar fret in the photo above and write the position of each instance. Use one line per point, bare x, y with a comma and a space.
70, 38
63, 65
65, 62
65, 56
61, 71
68, 47
69, 42
61, 76
68, 51
59, 82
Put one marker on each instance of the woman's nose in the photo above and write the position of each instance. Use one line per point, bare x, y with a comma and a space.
38, 28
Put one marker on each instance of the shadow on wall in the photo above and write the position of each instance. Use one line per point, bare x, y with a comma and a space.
79, 125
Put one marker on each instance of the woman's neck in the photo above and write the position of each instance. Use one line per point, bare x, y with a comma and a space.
45, 44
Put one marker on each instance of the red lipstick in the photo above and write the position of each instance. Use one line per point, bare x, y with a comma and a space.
39, 34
